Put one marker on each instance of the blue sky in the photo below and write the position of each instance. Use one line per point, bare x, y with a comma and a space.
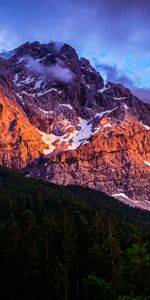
113, 34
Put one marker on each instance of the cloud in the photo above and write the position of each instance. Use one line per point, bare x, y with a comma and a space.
55, 71
117, 76
111, 22
112, 31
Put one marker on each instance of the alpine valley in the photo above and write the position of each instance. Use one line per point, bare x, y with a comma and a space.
60, 122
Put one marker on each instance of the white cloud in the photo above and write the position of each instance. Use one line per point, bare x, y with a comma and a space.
55, 71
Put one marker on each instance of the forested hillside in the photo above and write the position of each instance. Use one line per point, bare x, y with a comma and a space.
70, 243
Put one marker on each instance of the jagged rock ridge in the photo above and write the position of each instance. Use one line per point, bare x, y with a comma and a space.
67, 126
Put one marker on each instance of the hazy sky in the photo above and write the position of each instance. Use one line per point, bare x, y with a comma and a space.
113, 34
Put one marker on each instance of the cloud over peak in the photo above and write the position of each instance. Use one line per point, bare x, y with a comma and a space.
55, 71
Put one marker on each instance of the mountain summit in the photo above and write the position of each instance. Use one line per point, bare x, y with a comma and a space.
59, 121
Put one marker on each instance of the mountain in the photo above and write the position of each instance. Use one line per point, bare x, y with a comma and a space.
62, 123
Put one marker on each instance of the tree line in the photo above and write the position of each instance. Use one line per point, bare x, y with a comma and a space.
70, 243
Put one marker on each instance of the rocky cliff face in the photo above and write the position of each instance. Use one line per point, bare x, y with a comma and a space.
60, 121
20, 143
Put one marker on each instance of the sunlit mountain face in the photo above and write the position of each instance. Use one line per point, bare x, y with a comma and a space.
84, 118
62, 122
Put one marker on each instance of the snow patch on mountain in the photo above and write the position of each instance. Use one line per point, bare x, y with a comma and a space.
38, 83
48, 139
133, 203
81, 136
105, 88
107, 125
119, 98
76, 138
146, 126
125, 106
66, 105
45, 92
45, 111
123, 195
101, 114
73, 140
18, 83
147, 163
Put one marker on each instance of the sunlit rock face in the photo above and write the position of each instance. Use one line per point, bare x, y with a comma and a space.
60, 122
20, 143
